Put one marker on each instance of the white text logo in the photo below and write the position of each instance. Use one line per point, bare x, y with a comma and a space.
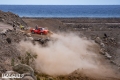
12, 75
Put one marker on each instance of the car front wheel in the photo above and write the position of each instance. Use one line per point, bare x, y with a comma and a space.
41, 33
33, 32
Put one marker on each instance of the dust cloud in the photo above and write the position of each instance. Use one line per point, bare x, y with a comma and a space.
67, 53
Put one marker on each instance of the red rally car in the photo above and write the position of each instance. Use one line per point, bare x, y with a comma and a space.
39, 30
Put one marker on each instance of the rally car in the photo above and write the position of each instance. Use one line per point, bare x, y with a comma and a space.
41, 31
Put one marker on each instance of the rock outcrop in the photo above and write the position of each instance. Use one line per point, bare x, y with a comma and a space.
10, 18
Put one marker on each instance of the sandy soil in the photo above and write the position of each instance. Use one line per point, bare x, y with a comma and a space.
5, 26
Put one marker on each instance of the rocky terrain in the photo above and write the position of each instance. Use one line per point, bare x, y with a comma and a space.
9, 18
104, 31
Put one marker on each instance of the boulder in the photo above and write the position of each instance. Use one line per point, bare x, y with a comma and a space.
24, 69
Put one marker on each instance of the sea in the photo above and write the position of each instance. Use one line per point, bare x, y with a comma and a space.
64, 11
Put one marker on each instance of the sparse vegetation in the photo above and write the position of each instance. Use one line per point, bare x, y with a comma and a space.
12, 62
28, 58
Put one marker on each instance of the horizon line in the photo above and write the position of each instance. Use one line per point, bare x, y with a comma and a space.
64, 4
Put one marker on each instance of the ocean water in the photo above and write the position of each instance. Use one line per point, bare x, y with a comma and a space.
67, 11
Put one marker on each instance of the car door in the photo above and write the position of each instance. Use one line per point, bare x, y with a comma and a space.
38, 31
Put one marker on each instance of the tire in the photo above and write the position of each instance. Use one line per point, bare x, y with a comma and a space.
32, 32
41, 33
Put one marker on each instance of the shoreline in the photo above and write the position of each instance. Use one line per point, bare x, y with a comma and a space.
75, 20
70, 17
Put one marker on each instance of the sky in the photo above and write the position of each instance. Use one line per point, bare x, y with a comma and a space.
60, 2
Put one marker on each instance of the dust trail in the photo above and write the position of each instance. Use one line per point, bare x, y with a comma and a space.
66, 54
